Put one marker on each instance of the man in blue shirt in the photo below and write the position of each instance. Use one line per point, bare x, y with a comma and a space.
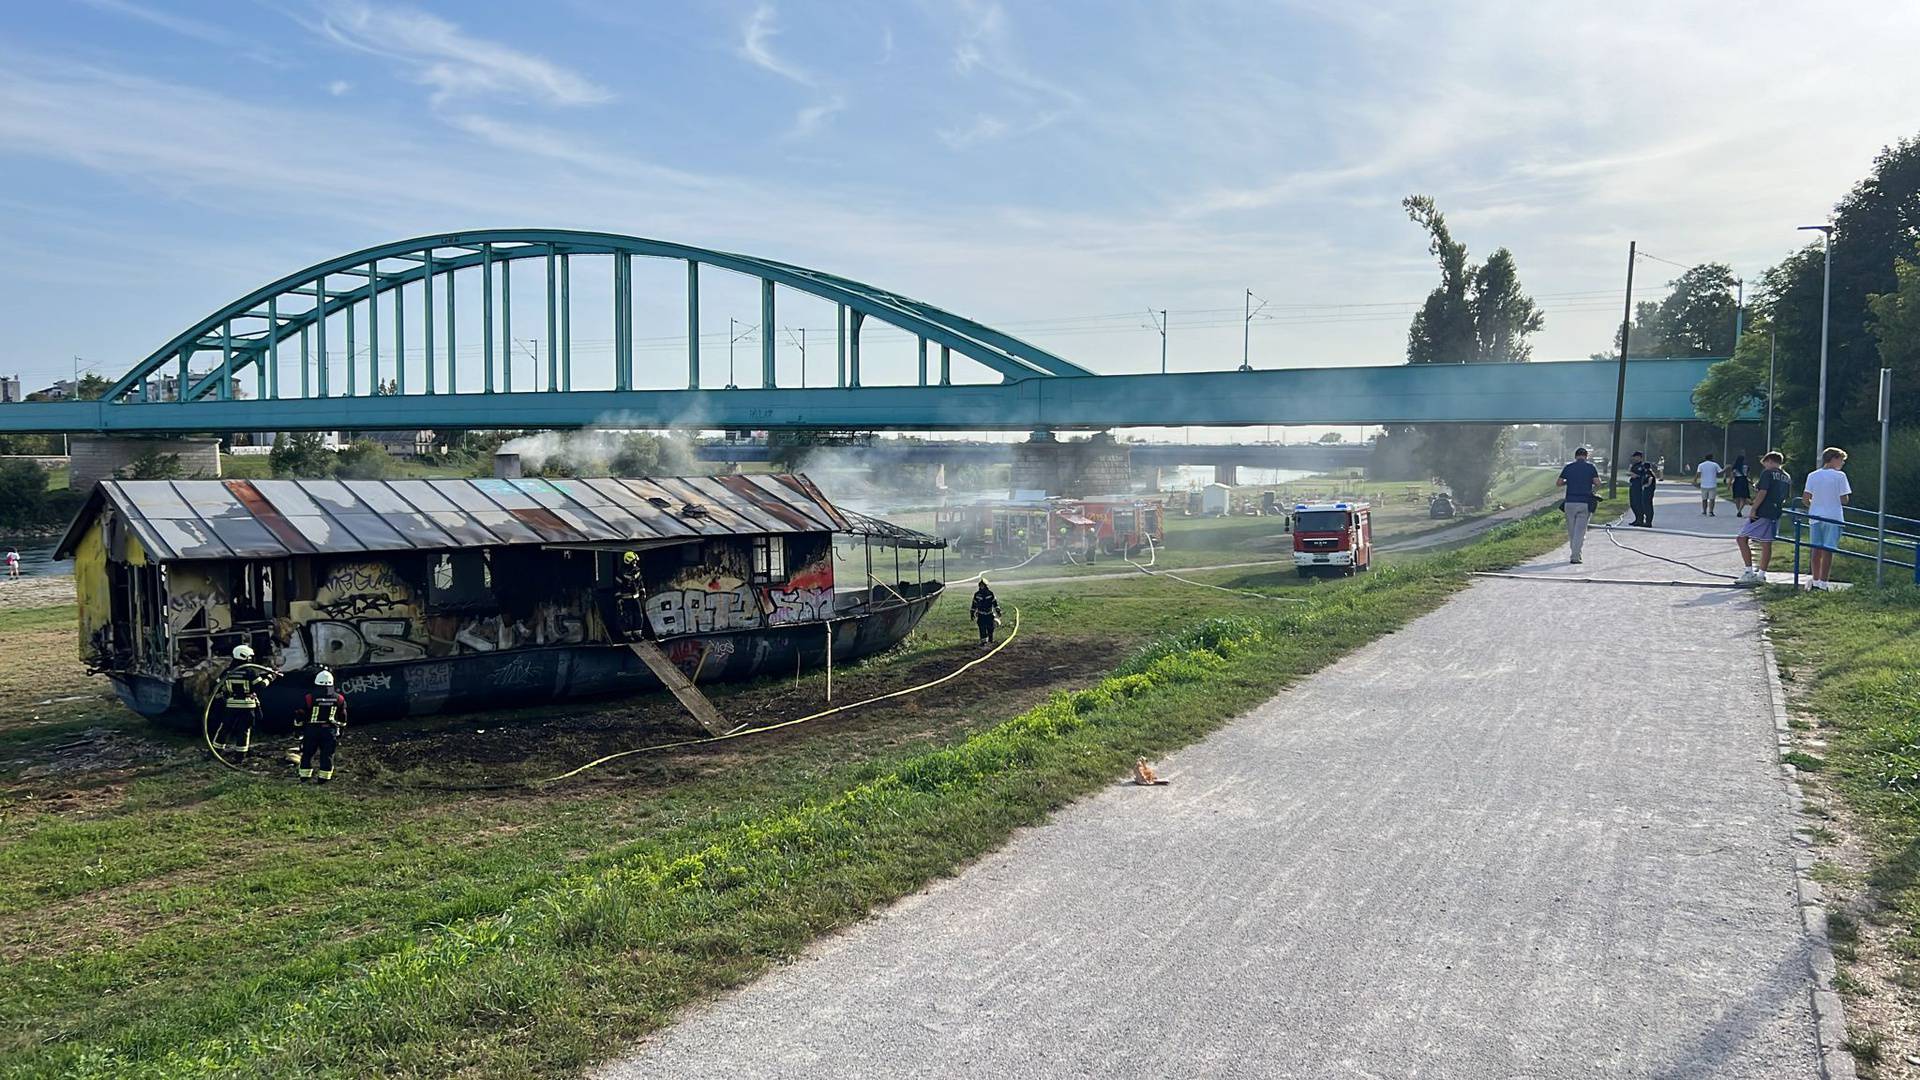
1578, 477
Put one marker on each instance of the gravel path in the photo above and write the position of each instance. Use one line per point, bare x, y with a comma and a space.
1539, 833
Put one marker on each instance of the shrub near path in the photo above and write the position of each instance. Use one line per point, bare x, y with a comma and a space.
569, 924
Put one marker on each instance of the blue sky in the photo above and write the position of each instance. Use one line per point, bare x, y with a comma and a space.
1048, 168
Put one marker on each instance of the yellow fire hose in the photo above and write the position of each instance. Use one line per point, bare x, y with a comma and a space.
744, 732
206, 732
206, 727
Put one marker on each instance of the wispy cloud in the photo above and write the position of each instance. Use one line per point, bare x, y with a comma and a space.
189, 28
756, 45
983, 46
455, 65
339, 88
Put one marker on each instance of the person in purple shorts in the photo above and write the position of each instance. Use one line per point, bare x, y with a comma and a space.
1771, 492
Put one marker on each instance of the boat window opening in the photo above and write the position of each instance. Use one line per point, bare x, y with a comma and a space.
769, 559
460, 579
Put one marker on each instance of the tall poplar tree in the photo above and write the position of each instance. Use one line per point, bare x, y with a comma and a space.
1476, 315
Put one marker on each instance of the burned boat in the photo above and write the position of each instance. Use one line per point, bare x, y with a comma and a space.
427, 596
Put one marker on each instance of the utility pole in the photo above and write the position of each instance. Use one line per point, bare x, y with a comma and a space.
802, 342
1620, 387
1246, 330
1160, 324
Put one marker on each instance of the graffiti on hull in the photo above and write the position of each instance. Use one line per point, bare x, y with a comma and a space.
707, 599
346, 642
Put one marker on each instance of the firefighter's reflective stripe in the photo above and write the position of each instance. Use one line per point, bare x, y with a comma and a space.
324, 774
325, 711
306, 774
238, 690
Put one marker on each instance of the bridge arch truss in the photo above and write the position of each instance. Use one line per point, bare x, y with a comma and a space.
344, 296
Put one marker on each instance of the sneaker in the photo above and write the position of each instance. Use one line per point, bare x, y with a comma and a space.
1575, 560
1753, 576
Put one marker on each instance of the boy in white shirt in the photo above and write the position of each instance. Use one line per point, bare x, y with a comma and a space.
1826, 494
1709, 471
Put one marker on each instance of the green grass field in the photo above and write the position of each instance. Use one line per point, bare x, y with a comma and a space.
160, 916
1851, 664
1241, 538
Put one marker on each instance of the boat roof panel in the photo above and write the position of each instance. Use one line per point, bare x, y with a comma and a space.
267, 519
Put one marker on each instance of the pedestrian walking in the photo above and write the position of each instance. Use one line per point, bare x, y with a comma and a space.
239, 708
1579, 477
1740, 485
986, 612
1770, 495
320, 722
1827, 494
13, 563
1640, 495
1708, 472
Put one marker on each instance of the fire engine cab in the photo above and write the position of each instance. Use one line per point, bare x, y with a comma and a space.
1333, 538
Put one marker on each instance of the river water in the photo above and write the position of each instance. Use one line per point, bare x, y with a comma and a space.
36, 555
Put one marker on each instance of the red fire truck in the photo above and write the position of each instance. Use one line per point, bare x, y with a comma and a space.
1332, 538
1125, 524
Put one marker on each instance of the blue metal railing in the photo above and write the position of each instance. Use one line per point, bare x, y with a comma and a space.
1863, 525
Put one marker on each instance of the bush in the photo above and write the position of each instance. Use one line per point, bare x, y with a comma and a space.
23, 495
151, 465
363, 460
301, 455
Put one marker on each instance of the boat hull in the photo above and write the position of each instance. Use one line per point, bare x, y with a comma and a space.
527, 676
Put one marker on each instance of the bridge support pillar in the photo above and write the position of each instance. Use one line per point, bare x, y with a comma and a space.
102, 457
1226, 474
1095, 466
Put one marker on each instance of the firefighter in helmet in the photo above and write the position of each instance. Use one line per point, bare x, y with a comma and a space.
239, 708
630, 591
320, 722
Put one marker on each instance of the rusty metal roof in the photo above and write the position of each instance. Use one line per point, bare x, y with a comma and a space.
269, 519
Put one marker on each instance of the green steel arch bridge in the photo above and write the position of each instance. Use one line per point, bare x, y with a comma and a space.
328, 347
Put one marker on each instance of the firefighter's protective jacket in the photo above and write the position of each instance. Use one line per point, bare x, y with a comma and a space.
240, 683
324, 710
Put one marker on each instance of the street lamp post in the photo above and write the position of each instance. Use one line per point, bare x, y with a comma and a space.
1826, 295
1773, 340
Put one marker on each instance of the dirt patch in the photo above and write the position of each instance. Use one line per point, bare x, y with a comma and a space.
511, 747
35, 592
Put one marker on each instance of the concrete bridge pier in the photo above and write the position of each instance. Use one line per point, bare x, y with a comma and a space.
104, 457
1094, 466
1226, 474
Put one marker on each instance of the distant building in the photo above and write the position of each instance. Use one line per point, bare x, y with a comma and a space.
403, 443
61, 390
10, 388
